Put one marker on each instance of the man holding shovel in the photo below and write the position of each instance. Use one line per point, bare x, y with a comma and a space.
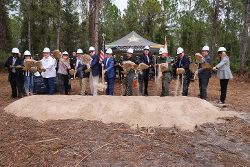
182, 65
109, 67
204, 71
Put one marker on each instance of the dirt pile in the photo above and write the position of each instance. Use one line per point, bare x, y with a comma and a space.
182, 112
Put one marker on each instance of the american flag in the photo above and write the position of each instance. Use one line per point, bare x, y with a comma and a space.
102, 55
166, 46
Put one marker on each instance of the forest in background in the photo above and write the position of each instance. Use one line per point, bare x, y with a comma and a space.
71, 24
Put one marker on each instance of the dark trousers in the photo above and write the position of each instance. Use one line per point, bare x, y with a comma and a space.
50, 85
63, 84
223, 89
129, 84
145, 81
110, 88
16, 85
186, 83
203, 83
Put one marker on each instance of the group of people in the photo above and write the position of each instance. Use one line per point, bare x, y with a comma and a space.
61, 70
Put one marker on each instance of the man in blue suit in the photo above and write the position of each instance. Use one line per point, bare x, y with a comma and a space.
95, 71
147, 59
109, 67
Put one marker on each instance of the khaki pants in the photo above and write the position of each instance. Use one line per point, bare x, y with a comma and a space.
93, 81
83, 85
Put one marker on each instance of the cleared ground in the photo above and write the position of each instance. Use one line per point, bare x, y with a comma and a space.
26, 142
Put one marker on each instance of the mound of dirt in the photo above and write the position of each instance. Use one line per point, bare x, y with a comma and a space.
182, 112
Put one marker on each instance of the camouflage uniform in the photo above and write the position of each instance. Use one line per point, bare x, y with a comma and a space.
129, 79
166, 76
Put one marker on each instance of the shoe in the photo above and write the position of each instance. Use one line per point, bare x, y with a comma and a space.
220, 102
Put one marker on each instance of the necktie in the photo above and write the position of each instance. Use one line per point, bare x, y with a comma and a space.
147, 58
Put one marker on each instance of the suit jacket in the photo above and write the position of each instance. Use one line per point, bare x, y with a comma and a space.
184, 63
9, 61
95, 66
143, 59
110, 67
205, 73
223, 67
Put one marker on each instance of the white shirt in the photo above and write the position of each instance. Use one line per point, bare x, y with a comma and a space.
13, 63
50, 66
78, 61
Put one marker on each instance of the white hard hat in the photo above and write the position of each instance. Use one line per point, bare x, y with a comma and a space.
91, 48
130, 50
27, 53
180, 50
222, 49
146, 48
15, 50
65, 53
161, 51
79, 51
109, 51
46, 50
205, 48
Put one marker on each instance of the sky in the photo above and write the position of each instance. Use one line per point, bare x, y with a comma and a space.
121, 4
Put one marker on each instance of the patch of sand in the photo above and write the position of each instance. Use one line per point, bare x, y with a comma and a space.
182, 112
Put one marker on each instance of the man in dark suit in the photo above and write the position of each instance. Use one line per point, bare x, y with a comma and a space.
204, 73
109, 67
147, 59
183, 63
95, 71
14, 65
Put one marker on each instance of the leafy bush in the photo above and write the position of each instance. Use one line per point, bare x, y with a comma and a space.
3, 58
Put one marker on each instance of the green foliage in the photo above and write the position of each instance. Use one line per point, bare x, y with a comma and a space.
185, 23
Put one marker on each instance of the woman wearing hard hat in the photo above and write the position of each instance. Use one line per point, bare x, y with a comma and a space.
223, 73
28, 74
63, 75
109, 67
14, 65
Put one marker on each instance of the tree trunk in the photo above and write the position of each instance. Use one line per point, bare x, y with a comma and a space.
58, 28
3, 27
29, 33
215, 16
244, 38
94, 9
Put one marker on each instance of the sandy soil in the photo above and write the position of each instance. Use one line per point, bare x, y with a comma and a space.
183, 112
27, 142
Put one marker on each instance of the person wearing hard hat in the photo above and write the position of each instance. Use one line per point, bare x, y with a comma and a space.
79, 69
223, 73
49, 74
72, 59
28, 74
14, 65
95, 71
164, 60
130, 74
63, 73
144, 77
182, 64
204, 73
109, 66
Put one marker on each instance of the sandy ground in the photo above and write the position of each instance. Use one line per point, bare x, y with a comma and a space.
27, 142
183, 112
